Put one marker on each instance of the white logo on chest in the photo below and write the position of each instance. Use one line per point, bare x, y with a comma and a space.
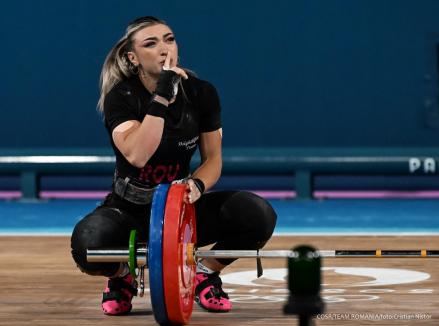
189, 144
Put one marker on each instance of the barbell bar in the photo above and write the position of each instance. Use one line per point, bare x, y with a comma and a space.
122, 255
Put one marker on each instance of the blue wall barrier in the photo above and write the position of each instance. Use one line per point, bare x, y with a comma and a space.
302, 164
290, 73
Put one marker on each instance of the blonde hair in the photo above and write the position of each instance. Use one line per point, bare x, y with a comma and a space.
117, 66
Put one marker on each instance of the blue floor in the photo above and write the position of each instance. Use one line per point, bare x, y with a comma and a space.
294, 216
367, 216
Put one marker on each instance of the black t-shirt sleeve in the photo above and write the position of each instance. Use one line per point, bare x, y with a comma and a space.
118, 109
210, 108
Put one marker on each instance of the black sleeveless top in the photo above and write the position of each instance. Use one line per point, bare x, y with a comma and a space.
195, 110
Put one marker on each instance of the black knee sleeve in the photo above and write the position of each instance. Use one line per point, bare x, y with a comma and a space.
102, 228
252, 222
264, 217
255, 215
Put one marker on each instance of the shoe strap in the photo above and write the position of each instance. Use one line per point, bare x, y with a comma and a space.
115, 286
118, 283
114, 295
215, 281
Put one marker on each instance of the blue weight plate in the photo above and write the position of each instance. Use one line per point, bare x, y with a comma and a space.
155, 250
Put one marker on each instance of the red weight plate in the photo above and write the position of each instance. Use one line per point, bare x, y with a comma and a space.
178, 276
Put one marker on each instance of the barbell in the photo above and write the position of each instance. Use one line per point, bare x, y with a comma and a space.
171, 256
123, 255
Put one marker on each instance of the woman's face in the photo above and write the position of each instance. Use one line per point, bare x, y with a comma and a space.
150, 47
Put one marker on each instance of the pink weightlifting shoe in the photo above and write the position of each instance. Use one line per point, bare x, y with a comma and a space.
118, 295
209, 295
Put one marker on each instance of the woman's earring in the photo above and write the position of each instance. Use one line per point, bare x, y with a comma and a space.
134, 69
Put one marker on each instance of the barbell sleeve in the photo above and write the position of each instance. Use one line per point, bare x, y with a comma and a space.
115, 255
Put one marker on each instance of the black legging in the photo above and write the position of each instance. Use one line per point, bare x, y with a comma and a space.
234, 220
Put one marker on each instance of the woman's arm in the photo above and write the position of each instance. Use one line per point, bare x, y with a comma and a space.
211, 163
138, 141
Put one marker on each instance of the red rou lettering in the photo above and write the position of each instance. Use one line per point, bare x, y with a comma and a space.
159, 173
145, 172
172, 175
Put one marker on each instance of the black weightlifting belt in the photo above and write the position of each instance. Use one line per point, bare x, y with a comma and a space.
132, 193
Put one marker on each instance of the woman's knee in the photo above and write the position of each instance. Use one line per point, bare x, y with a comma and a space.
98, 229
256, 213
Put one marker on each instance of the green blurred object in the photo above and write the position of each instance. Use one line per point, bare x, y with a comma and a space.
304, 283
132, 262
304, 277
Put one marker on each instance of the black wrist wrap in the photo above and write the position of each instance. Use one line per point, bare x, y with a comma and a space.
200, 185
157, 109
165, 85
